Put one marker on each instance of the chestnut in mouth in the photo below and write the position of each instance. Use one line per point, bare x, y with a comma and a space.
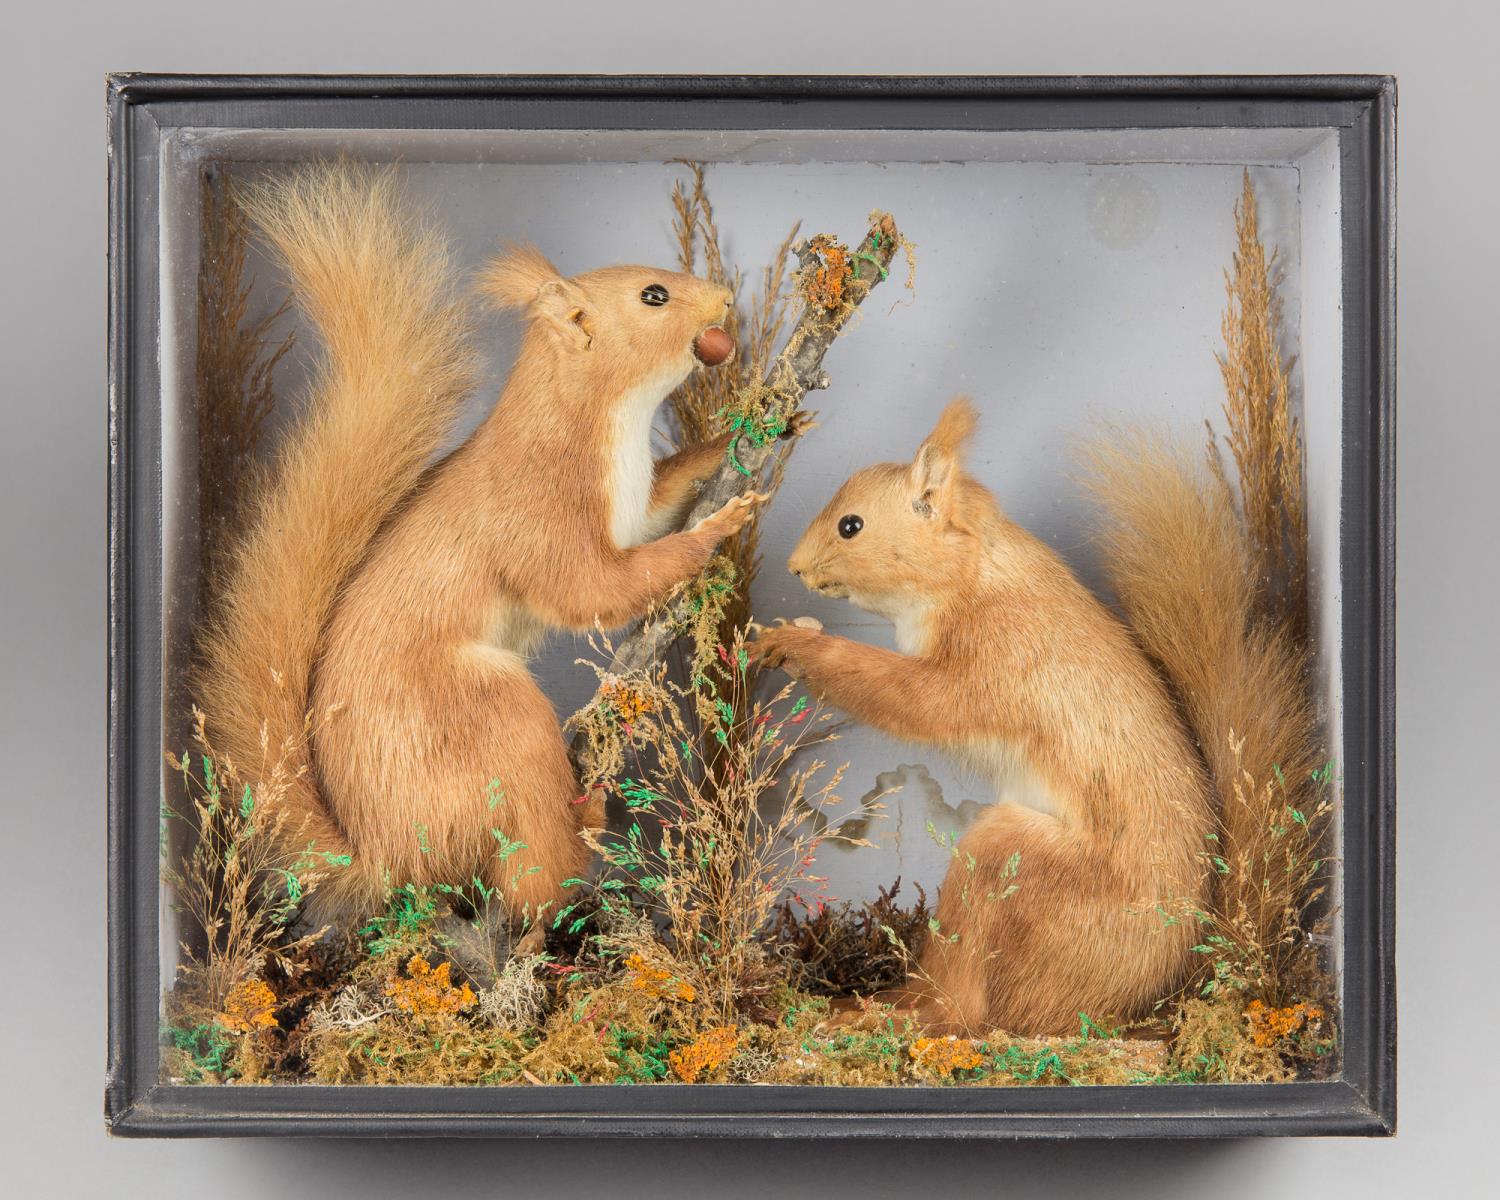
713, 346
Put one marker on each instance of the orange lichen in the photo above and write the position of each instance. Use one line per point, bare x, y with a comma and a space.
705, 1054
251, 1004
656, 982
428, 991
630, 704
825, 286
1271, 1025
944, 1055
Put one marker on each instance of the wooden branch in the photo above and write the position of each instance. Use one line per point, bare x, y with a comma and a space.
797, 370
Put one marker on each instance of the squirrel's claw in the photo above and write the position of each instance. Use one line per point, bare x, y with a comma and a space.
802, 421
776, 647
764, 653
734, 514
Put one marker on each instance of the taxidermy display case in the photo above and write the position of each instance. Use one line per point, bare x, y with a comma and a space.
742, 606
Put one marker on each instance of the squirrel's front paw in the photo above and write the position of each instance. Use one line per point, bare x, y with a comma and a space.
732, 517
779, 647
801, 422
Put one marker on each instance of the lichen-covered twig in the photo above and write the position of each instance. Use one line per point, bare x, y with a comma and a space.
798, 369
832, 282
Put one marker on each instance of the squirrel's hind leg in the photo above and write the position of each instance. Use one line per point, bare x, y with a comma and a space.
1045, 930
506, 750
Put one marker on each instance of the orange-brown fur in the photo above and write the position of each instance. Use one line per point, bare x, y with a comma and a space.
398, 602
1177, 558
1010, 664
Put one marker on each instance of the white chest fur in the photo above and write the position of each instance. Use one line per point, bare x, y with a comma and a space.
1014, 779
632, 465
911, 621
909, 615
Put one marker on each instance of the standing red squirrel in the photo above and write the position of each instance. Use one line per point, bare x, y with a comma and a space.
1011, 665
397, 601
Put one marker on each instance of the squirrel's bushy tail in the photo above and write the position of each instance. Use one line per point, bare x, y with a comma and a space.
376, 284
1178, 560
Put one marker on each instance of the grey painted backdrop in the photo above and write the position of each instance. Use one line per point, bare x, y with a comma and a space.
52, 582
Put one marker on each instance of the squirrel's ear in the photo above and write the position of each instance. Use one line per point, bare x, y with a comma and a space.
562, 306
935, 468
514, 277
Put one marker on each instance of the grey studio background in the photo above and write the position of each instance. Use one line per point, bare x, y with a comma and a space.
1029, 364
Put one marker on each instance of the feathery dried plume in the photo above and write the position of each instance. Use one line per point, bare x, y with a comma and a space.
699, 405
236, 359
1264, 433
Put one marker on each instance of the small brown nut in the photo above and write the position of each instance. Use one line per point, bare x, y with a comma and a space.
713, 346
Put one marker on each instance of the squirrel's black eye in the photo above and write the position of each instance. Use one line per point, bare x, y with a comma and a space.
654, 294
850, 525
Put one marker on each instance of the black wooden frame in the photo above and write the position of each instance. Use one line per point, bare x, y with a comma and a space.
1362, 111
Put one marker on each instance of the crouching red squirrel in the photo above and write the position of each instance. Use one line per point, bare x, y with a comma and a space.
1010, 664
397, 601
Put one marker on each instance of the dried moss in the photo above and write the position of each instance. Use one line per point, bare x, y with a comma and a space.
706, 1056
636, 1022
825, 283
805, 1049
1091, 1061
941, 1058
428, 993
622, 1031
251, 1004
396, 1049
1224, 1039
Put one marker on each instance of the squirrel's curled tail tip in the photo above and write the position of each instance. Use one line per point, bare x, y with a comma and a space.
956, 425
369, 270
